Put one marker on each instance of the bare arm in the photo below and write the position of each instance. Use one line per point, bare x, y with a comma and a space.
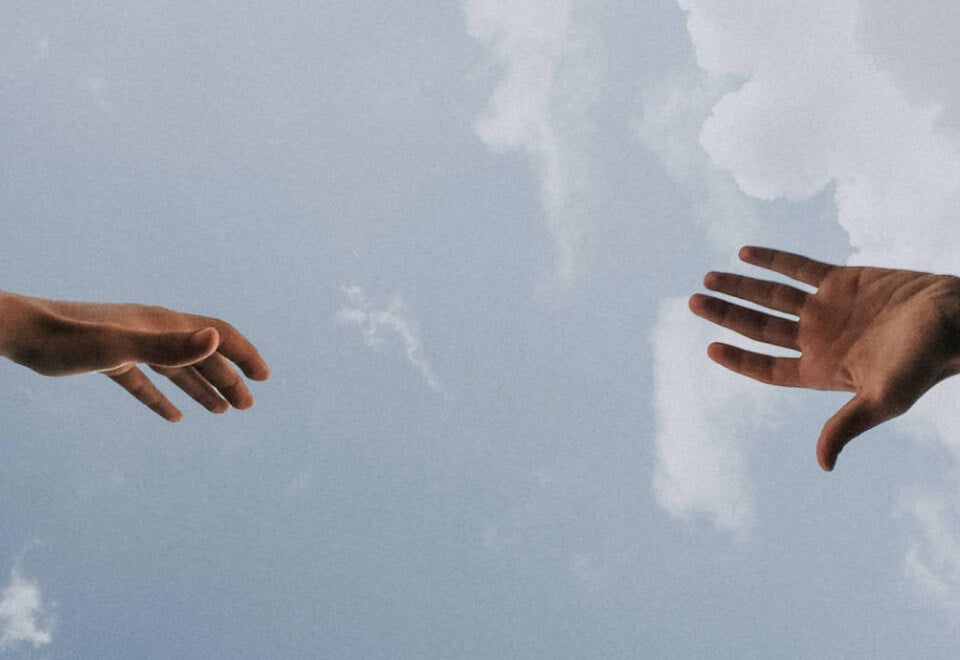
886, 335
58, 338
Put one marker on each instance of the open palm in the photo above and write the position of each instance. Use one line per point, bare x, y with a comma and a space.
887, 335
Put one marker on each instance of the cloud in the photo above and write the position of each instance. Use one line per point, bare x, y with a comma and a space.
21, 612
541, 106
932, 559
377, 322
863, 97
707, 419
816, 107
673, 111
702, 437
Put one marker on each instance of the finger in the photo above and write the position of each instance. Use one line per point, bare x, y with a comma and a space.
172, 349
774, 295
765, 368
191, 382
857, 416
134, 381
218, 372
792, 265
238, 349
750, 323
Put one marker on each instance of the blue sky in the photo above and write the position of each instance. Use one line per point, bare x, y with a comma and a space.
462, 235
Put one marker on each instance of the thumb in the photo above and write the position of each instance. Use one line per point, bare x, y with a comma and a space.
175, 349
857, 416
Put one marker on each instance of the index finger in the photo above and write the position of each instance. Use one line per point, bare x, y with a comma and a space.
792, 265
238, 349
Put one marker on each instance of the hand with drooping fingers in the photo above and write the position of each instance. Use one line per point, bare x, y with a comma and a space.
887, 335
58, 338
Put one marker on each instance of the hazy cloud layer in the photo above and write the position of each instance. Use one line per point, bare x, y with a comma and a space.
21, 614
866, 97
540, 107
380, 321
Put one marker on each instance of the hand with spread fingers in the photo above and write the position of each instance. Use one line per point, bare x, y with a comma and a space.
886, 335
57, 338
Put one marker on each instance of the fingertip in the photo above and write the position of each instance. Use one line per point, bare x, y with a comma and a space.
827, 463
696, 303
830, 444
255, 370
747, 253
205, 340
166, 410
718, 352
826, 457
711, 280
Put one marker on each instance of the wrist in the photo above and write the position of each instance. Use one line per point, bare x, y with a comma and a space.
950, 311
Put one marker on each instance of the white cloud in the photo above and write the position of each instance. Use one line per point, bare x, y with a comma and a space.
702, 427
392, 318
21, 612
864, 96
916, 43
706, 419
815, 109
540, 107
932, 560
669, 123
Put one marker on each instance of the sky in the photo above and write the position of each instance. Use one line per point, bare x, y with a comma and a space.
463, 234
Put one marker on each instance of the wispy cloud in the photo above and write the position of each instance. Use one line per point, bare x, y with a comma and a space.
703, 435
540, 107
379, 322
932, 559
22, 614
864, 97
707, 419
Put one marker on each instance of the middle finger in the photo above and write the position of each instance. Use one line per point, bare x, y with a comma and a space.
774, 295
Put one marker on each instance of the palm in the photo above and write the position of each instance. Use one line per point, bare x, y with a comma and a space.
883, 334
875, 331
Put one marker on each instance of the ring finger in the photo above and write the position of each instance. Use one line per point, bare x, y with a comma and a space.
750, 323
218, 372
191, 382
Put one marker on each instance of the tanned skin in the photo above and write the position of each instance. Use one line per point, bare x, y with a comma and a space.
886, 335
197, 353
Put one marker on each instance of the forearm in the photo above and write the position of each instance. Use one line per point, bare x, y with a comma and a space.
20, 322
10, 313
